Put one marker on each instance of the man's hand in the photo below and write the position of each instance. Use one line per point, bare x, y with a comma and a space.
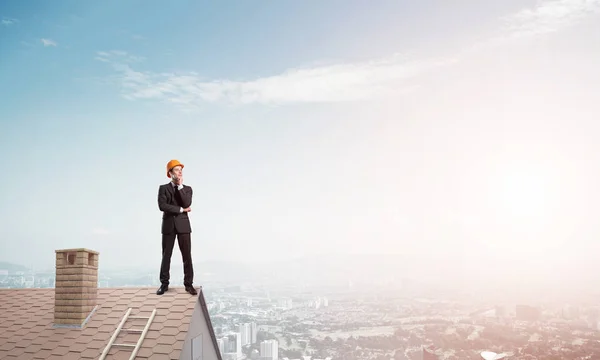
178, 180
188, 209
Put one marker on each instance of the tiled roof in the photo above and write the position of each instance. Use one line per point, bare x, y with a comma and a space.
27, 328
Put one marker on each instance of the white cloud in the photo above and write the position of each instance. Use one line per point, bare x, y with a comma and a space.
8, 21
122, 56
48, 42
330, 83
549, 16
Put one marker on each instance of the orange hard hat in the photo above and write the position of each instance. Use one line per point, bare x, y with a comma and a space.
171, 164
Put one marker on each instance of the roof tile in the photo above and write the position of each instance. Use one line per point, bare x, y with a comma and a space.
144, 353
150, 342
50, 345
27, 331
89, 354
181, 335
61, 351
71, 356
31, 349
172, 322
163, 349
42, 354
152, 334
17, 351
77, 347
98, 343
166, 340
157, 356
178, 308
7, 346
169, 331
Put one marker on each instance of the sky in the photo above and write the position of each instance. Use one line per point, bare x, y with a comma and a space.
464, 132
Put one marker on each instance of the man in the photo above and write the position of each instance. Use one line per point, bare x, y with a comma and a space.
174, 200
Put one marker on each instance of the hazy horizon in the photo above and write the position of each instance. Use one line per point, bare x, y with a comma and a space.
467, 134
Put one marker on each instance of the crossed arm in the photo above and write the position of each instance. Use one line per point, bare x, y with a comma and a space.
186, 197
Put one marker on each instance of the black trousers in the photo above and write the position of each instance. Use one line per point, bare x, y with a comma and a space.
185, 245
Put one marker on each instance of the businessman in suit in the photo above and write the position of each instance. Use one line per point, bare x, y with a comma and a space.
174, 200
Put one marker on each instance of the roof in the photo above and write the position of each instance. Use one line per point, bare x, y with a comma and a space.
27, 328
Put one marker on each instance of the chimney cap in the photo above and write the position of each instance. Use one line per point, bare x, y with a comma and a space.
77, 250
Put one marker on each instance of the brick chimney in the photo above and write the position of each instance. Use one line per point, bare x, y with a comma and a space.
76, 286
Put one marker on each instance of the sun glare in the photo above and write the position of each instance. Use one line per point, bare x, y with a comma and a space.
523, 195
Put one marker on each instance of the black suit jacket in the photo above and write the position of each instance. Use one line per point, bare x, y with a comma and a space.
170, 201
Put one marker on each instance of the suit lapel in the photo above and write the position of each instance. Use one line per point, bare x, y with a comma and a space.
171, 191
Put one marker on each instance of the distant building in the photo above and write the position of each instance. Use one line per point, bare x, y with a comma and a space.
269, 350
245, 334
248, 332
221, 344
570, 312
527, 313
254, 329
285, 303
233, 346
225, 341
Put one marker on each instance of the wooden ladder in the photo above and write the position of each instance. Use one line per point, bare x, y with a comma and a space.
136, 346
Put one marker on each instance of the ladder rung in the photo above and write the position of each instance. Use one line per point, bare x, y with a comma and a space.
136, 346
139, 331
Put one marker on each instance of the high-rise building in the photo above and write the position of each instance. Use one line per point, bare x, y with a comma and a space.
233, 345
245, 333
226, 344
254, 330
238, 345
269, 350
221, 345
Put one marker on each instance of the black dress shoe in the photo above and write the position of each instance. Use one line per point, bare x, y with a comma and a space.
162, 289
191, 290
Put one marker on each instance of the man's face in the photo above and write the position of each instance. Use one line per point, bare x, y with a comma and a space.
177, 172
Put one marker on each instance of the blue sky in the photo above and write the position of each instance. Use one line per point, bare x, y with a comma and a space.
305, 127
